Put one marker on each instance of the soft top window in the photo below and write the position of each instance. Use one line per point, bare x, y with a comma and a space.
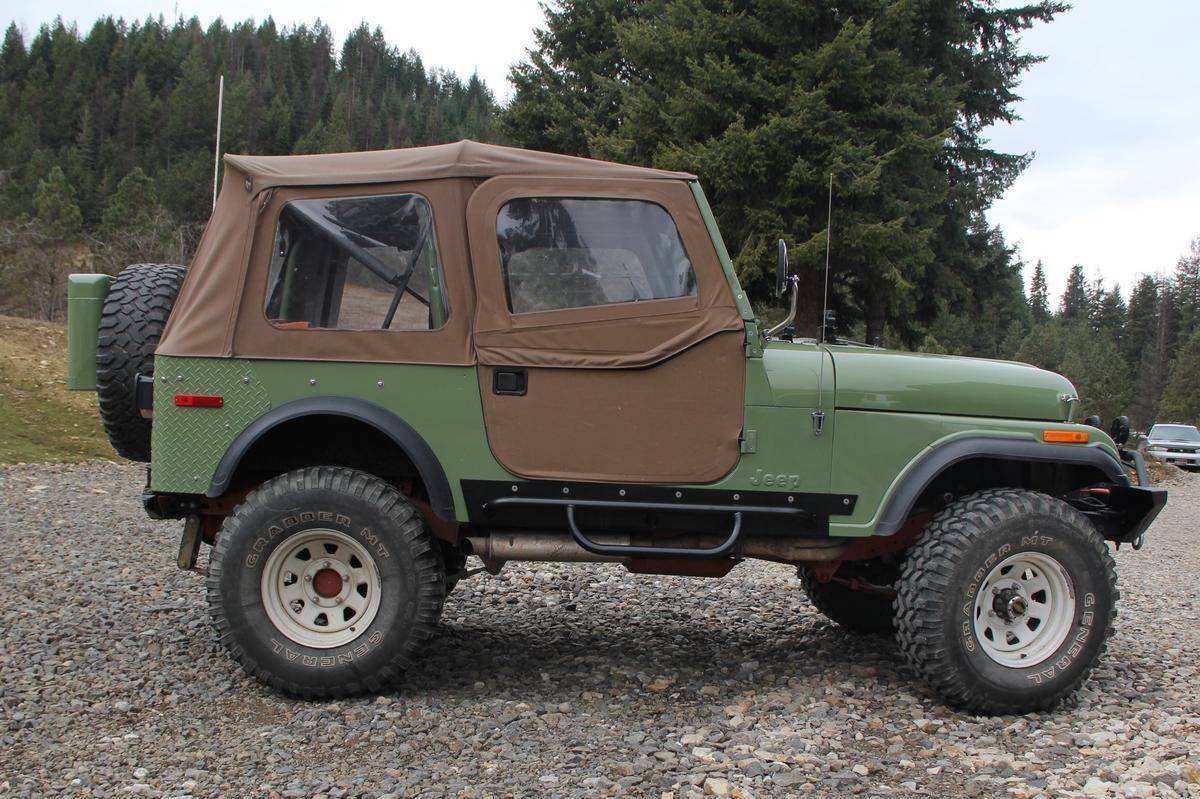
559, 252
356, 263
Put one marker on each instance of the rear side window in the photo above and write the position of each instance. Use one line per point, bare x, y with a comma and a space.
559, 252
356, 263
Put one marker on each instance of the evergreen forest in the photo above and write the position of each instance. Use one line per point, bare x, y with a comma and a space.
107, 137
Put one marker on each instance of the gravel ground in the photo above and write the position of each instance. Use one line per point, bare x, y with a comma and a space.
548, 680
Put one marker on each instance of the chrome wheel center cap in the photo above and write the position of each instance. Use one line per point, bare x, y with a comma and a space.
1010, 605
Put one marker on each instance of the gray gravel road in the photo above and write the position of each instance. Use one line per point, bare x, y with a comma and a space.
549, 680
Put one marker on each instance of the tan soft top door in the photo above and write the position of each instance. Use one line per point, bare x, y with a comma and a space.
595, 366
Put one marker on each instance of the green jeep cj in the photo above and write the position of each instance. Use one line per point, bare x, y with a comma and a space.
381, 363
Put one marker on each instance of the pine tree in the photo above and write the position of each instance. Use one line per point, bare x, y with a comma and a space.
1141, 319
58, 215
134, 122
1109, 316
1187, 291
132, 205
1044, 346
1076, 302
1150, 377
765, 101
1181, 399
1094, 364
1039, 295
192, 108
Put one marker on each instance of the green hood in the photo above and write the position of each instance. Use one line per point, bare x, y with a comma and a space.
883, 380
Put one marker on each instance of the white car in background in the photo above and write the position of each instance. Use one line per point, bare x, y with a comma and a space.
1178, 444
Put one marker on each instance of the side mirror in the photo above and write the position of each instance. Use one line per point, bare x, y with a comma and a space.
1119, 432
781, 267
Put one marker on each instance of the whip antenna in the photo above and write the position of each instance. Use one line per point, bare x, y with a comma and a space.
217, 149
828, 237
818, 416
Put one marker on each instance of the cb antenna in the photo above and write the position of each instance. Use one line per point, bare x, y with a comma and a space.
217, 148
818, 416
828, 237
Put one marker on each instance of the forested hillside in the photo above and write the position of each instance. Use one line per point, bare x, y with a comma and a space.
106, 136
106, 140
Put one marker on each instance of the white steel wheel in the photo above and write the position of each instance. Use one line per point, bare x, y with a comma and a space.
321, 588
1024, 609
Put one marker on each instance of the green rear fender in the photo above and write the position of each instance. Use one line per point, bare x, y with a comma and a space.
387, 423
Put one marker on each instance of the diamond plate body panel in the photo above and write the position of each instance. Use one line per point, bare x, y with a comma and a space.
187, 443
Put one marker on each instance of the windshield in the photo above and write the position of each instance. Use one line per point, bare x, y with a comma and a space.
1178, 432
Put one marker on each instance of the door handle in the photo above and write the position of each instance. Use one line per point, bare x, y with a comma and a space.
510, 382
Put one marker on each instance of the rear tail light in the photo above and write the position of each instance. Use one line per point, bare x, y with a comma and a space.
199, 401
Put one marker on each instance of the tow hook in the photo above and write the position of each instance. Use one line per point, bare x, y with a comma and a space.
1139, 542
189, 545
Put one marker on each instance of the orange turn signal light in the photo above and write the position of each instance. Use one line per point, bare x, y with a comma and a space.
1064, 436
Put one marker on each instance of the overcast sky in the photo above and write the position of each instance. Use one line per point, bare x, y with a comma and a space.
1113, 115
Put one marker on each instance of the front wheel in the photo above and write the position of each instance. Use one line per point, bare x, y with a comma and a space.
326, 582
1005, 602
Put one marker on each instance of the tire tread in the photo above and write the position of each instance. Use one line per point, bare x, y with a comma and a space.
132, 320
409, 525
930, 567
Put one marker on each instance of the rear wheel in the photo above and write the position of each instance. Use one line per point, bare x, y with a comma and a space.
1005, 602
135, 313
326, 582
863, 611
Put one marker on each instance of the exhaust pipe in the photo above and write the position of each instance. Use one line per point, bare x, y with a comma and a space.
548, 547
561, 548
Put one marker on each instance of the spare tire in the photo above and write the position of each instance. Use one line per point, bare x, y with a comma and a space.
134, 315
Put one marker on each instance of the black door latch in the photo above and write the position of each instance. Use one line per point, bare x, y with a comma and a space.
510, 382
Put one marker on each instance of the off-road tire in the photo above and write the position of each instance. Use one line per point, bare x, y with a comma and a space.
858, 611
132, 321
378, 518
944, 573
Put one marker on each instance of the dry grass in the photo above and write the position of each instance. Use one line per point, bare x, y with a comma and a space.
39, 419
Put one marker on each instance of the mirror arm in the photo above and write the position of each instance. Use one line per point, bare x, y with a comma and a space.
791, 317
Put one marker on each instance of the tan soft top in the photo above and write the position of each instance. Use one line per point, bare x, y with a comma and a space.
462, 159
219, 312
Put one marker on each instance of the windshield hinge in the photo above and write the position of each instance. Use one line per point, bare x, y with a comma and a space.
818, 418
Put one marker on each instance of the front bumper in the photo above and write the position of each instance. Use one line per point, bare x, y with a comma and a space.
1176, 458
1136, 506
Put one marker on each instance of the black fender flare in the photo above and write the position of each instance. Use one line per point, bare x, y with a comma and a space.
942, 456
387, 423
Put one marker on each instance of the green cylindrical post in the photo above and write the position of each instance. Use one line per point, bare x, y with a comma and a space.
85, 301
